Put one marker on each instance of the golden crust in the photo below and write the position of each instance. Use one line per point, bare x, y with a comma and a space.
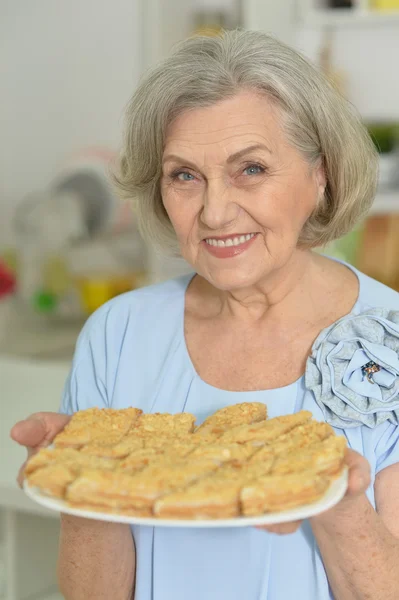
138, 460
61, 471
160, 478
124, 447
300, 437
216, 496
48, 456
53, 480
111, 489
266, 431
274, 493
232, 416
326, 457
164, 424
224, 452
104, 425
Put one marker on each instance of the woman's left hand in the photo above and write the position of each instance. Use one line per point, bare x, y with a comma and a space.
358, 482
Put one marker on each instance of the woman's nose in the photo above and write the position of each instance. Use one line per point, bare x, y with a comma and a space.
219, 208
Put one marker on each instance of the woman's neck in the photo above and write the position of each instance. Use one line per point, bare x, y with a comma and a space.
301, 289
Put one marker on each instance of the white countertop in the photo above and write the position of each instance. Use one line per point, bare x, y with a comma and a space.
26, 386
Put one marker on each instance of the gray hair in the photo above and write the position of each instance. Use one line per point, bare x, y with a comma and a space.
317, 120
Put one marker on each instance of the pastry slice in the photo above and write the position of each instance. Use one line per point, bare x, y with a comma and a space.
266, 431
272, 493
164, 424
232, 416
100, 425
55, 476
107, 491
53, 480
160, 478
216, 496
138, 460
207, 499
300, 437
127, 445
47, 456
224, 452
326, 457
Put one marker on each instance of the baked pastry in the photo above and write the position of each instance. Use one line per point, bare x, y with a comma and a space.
164, 424
325, 457
232, 416
300, 437
216, 496
273, 493
236, 463
106, 426
118, 489
54, 475
266, 431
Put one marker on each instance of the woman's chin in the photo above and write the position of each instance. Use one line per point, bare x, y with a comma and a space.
231, 279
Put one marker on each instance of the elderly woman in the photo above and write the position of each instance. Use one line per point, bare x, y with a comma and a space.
243, 157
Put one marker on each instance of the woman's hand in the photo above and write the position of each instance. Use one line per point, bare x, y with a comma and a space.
37, 431
358, 482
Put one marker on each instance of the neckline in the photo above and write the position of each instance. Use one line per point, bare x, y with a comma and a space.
287, 387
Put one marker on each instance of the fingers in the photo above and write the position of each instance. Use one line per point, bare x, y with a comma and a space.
359, 473
30, 433
281, 528
39, 429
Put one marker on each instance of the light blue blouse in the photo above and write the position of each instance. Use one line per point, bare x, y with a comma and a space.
132, 352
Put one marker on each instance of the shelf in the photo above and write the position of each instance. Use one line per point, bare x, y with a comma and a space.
350, 18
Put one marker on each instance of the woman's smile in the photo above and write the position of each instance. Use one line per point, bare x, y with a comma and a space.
229, 246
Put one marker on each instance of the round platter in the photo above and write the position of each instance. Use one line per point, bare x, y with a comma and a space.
333, 495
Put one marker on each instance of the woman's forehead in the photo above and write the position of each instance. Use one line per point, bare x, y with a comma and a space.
227, 126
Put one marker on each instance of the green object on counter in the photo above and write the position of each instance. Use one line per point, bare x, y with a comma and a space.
45, 302
384, 135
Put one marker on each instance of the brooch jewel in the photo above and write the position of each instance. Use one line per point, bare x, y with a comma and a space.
369, 369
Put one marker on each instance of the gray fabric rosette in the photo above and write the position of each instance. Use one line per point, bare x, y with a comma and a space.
353, 369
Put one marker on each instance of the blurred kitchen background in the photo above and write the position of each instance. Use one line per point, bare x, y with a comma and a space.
67, 244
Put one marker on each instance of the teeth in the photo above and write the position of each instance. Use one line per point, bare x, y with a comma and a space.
230, 241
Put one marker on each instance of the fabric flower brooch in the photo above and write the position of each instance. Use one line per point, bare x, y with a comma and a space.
353, 370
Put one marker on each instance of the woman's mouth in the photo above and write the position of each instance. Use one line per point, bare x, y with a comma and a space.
229, 246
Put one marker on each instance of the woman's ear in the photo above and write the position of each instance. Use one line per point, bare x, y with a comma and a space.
321, 179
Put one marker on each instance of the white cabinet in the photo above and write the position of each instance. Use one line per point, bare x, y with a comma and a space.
28, 533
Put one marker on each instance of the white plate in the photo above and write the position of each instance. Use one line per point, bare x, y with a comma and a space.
333, 495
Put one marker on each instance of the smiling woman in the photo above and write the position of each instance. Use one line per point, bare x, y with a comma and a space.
228, 185
242, 158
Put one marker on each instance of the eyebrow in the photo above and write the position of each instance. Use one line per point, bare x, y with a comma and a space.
232, 158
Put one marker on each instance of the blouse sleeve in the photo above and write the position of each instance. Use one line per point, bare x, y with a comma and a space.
86, 384
387, 447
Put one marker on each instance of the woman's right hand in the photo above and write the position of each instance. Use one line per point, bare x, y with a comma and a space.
37, 431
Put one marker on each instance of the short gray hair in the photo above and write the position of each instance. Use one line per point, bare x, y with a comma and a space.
318, 122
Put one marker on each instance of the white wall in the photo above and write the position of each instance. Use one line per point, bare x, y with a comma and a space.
368, 55
67, 70
369, 58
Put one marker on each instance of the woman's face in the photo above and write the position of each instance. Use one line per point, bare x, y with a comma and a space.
237, 194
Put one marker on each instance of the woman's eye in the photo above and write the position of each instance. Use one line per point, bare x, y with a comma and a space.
254, 170
183, 176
